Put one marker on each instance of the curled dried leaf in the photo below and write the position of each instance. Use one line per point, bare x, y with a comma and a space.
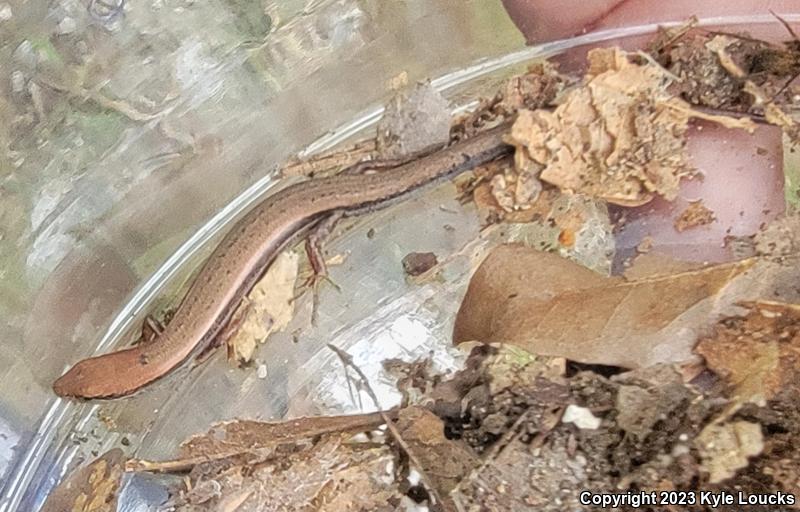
551, 306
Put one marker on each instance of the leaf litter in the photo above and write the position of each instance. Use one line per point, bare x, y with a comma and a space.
620, 136
696, 214
575, 380
516, 430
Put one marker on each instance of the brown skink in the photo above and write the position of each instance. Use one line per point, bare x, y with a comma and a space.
249, 248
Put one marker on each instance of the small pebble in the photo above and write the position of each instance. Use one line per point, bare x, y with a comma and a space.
581, 417
261, 372
679, 450
417, 263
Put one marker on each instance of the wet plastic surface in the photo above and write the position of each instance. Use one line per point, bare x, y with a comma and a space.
155, 130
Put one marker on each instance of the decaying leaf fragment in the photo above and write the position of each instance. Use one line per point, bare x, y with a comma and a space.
268, 308
537, 88
758, 354
256, 438
550, 306
761, 99
726, 448
328, 475
620, 136
247, 465
443, 460
718, 45
92, 488
496, 196
696, 214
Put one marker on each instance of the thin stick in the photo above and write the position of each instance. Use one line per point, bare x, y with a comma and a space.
347, 360
785, 25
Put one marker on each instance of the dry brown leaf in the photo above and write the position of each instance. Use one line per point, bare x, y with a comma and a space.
239, 437
444, 461
269, 307
514, 271
246, 465
256, 439
92, 488
650, 264
551, 306
758, 354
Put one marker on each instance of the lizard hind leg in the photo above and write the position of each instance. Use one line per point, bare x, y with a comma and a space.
151, 330
316, 259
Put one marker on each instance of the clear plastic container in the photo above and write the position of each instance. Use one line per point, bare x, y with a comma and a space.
143, 134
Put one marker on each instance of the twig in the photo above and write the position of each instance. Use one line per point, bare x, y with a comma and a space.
785, 25
678, 33
277, 433
756, 118
347, 360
